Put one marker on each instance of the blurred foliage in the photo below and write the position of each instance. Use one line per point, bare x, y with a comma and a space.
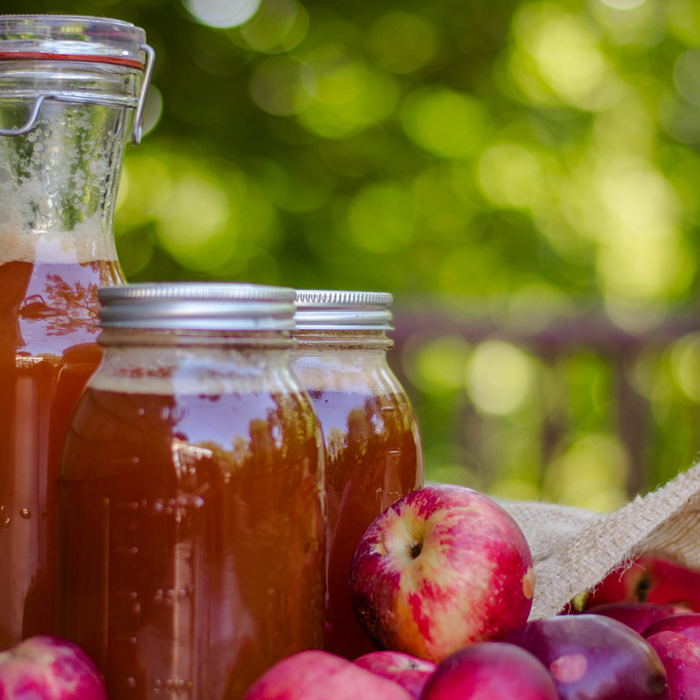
543, 154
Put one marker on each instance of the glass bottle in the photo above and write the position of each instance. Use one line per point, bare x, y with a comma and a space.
373, 446
69, 88
192, 523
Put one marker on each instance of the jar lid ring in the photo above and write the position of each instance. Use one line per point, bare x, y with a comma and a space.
336, 310
202, 306
88, 58
147, 67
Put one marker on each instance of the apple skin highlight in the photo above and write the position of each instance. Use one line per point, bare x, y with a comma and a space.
681, 659
319, 675
404, 669
637, 616
686, 624
443, 567
491, 671
592, 657
49, 668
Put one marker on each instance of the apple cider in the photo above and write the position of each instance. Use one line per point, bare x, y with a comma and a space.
192, 499
373, 446
47, 353
65, 113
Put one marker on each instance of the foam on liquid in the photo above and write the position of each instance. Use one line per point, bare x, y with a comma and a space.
160, 372
87, 242
326, 373
53, 192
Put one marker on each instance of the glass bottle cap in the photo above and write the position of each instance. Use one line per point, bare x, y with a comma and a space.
331, 310
71, 37
197, 306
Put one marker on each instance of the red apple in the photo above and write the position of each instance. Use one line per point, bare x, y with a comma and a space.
652, 580
638, 616
592, 657
318, 675
443, 567
49, 668
686, 624
491, 671
681, 659
404, 669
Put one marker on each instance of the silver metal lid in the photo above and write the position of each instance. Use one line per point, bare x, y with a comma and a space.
328, 310
198, 306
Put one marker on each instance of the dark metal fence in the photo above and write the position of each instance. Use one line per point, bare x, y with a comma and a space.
618, 350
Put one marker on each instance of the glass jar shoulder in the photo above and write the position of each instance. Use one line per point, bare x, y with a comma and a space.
349, 371
356, 387
157, 408
175, 368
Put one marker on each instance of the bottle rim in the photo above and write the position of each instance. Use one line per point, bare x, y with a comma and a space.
71, 38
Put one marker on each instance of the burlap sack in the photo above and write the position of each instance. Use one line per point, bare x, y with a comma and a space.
573, 549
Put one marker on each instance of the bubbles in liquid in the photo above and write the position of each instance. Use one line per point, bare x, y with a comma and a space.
25, 513
177, 685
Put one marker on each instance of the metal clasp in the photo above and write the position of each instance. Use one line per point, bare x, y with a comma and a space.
32, 119
137, 130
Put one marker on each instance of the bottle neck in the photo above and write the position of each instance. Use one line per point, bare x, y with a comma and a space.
144, 338
313, 340
59, 181
351, 362
190, 362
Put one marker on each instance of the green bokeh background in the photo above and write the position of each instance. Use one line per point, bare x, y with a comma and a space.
528, 163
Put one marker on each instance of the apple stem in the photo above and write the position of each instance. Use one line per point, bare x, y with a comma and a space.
643, 589
416, 549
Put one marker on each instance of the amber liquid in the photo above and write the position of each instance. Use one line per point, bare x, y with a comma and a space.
48, 327
373, 457
192, 539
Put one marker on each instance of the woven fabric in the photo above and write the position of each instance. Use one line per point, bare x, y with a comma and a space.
573, 549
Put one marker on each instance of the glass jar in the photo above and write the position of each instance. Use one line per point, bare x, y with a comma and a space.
192, 543
373, 446
69, 87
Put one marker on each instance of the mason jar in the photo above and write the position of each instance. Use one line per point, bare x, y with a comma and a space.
72, 91
373, 446
192, 503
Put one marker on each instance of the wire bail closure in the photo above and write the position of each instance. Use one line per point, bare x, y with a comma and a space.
137, 131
